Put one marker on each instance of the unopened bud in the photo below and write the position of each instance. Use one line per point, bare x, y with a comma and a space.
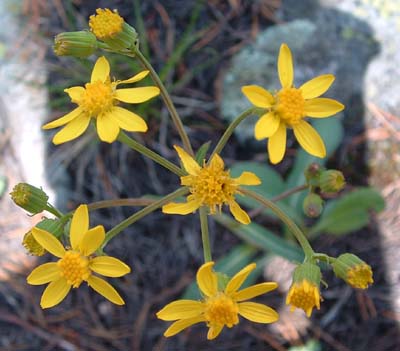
313, 205
312, 174
332, 181
30, 198
78, 44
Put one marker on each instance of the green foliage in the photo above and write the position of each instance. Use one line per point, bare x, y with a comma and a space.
311, 345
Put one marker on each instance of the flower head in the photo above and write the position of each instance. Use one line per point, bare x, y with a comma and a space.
99, 100
211, 186
76, 263
30, 198
219, 307
288, 108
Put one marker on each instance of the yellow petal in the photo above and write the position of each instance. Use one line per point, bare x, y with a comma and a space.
92, 240
101, 70
105, 289
239, 214
49, 242
79, 226
257, 312
135, 78
254, 290
207, 279
63, 120
128, 120
258, 96
266, 126
238, 279
189, 163
181, 208
322, 107
43, 274
214, 331
309, 139
285, 66
317, 86
136, 95
247, 178
75, 93
72, 130
277, 144
109, 266
107, 127
217, 162
181, 309
182, 324
55, 293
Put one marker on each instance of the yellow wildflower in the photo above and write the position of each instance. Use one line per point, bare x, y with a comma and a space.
99, 100
76, 264
211, 186
219, 308
288, 108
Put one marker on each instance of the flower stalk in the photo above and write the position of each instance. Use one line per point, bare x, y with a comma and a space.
205, 236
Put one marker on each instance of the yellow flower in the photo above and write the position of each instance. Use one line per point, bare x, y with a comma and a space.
106, 23
76, 264
360, 276
219, 307
304, 295
99, 100
288, 108
210, 186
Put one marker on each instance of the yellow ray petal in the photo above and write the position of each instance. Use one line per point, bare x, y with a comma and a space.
101, 70
322, 107
207, 279
79, 226
109, 266
181, 208
277, 144
182, 324
49, 242
247, 178
75, 93
214, 331
258, 96
257, 312
55, 293
181, 309
64, 120
136, 95
128, 120
92, 240
105, 289
266, 126
217, 162
254, 290
317, 86
72, 130
239, 214
43, 274
238, 279
309, 139
189, 163
135, 78
107, 127
285, 66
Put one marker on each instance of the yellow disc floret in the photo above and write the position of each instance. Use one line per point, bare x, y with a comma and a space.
106, 23
304, 295
290, 105
360, 276
221, 310
98, 98
74, 268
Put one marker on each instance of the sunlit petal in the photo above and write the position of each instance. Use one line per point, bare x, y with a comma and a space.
257, 312
207, 279
128, 120
136, 95
109, 266
322, 107
49, 242
266, 125
101, 70
182, 324
75, 93
309, 139
63, 120
92, 240
181, 309
258, 96
189, 163
285, 66
254, 291
214, 331
55, 293
181, 208
72, 130
79, 225
105, 289
317, 86
277, 144
107, 127
43, 274
239, 214
247, 178
238, 279
135, 78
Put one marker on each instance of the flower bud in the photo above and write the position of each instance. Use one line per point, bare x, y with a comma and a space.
353, 271
313, 205
331, 181
78, 44
312, 174
30, 198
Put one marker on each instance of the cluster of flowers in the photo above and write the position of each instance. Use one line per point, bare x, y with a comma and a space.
207, 184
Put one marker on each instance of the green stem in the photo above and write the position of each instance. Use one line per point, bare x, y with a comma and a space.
167, 99
294, 229
231, 128
289, 192
205, 236
50, 208
119, 202
142, 213
133, 144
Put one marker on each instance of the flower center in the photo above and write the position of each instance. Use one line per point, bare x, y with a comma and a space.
212, 186
221, 310
97, 98
360, 276
305, 296
290, 105
74, 268
106, 24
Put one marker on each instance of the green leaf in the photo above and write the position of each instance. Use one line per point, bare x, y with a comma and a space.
201, 152
349, 213
311, 345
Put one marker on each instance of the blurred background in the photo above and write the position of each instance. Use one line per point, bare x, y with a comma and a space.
204, 51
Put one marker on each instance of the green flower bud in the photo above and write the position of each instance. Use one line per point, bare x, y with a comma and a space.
30, 198
312, 174
332, 181
313, 205
78, 44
